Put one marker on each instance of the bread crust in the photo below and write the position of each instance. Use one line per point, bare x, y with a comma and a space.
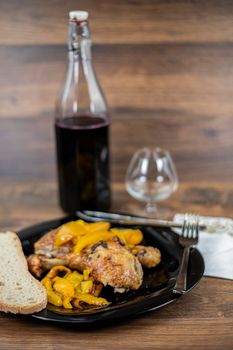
23, 310
27, 309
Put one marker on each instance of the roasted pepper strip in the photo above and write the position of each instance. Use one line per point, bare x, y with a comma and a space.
86, 274
66, 303
131, 236
75, 278
89, 299
53, 298
62, 237
98, 226
56, 269
86, 286
91, 239
63, 287
70, 231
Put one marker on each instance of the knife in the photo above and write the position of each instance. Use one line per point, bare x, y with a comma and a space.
116, 218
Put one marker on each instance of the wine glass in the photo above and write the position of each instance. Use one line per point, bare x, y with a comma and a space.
151, 177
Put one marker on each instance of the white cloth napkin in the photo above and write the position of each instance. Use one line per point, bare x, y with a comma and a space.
216, 245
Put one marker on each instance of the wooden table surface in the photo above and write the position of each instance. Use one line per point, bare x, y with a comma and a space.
166, 69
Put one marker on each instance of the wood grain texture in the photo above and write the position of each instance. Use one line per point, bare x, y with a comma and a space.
133, 21
198, 320
166, 69
190, 80
24, 203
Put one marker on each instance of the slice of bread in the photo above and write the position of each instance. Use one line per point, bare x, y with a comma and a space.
20, 292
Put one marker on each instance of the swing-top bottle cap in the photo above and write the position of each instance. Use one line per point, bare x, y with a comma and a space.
79, 16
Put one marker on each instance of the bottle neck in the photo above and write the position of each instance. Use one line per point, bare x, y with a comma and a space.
79, 41
81, 89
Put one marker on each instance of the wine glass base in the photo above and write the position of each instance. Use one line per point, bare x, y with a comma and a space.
161, 212
151, 208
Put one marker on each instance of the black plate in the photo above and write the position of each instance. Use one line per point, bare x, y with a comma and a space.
155, 292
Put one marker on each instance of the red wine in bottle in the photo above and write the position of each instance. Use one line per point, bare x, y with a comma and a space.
83, 167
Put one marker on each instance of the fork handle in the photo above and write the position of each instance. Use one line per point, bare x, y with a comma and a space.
181, 281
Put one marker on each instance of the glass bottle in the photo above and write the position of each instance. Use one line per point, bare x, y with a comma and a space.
82, 127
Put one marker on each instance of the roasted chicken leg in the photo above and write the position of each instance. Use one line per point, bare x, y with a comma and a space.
111, 263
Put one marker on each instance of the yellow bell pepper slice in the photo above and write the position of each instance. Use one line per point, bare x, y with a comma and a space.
43, 281
75, 278
63, 287
91, 239
92, 228
86, 274
62, 237
70, 231
89, 299
56, 269
86, 286
53, 298
98, 226
131, 236
66, 303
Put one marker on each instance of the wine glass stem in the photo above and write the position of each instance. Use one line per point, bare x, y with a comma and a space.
151, 207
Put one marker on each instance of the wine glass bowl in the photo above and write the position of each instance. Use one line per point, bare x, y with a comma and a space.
151, 176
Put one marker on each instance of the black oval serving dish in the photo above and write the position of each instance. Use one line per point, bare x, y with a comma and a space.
155, 292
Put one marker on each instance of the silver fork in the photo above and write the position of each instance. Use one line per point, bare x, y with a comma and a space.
188, 238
